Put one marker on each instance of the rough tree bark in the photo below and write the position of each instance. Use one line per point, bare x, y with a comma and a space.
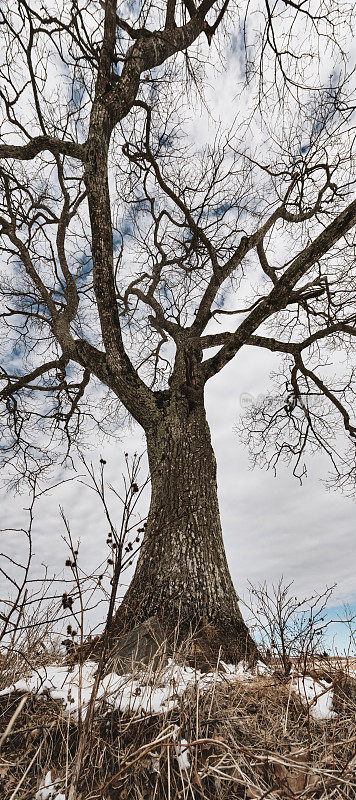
182, 576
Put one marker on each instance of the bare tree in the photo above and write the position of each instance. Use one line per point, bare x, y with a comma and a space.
125, 247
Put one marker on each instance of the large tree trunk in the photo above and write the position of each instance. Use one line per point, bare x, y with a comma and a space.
182, 572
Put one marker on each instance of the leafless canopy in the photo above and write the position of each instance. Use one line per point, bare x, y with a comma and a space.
138, 230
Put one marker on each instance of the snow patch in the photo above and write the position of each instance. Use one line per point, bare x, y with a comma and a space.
138, 694
72, 687
318, 695
48, 789
182, 754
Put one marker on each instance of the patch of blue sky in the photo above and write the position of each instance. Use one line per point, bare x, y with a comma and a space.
13, 360
76, 99
163, 291
333, 634
116, 68
153, 89
117, 240
237, 42
126, 227
219, 211
318, 126
239, 51
166, 296
77, 92
141, 204
84, 268
18, 265
25, 303
166, 140
220, 300
338, 635
131, 6
324, 114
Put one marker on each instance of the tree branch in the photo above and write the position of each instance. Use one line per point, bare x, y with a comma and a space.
38, 145
328, 393
280, 294
246, 244
25, 380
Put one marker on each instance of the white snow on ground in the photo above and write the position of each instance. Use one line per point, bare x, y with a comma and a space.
318, 695
182, 753
60, 683
49, 789
143, 693
146, 693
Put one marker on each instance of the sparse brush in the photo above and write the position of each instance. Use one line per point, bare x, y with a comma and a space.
33, 644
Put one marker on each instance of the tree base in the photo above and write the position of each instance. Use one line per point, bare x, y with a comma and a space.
153, 641
199, 644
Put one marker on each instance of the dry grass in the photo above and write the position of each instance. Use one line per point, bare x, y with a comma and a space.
246, 740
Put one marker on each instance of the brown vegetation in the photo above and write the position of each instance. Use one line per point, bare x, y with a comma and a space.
246, 739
